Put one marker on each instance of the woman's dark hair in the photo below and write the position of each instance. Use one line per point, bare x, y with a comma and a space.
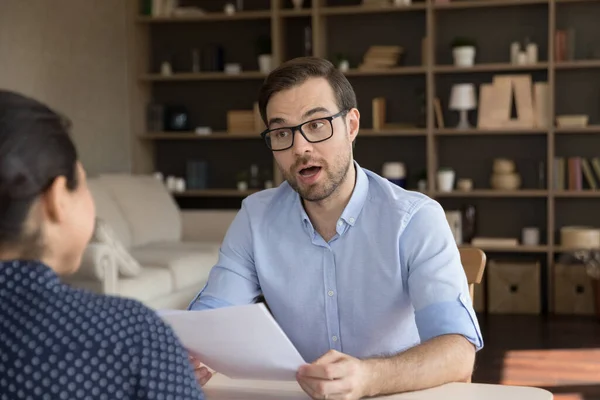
296, 71
35, 149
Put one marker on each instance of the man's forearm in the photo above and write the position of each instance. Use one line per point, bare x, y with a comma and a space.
443, 359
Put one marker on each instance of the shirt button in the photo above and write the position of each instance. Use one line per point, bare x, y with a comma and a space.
339, 223
351, 220
334, 338
330, 293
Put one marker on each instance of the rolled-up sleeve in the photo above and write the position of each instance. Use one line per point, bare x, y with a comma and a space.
436, 280
233, 279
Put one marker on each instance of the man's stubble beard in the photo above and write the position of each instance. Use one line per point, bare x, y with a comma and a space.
334, 176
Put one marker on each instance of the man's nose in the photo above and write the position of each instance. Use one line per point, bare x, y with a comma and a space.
301, 145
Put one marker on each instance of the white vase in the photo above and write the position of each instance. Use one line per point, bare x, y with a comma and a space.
464, 56
265, 63
344, 66
242, 185
445, 180
297, 4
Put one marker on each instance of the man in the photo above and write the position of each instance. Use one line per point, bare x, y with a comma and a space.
363, 276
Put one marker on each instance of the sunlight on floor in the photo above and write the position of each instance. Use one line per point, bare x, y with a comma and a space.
571, 374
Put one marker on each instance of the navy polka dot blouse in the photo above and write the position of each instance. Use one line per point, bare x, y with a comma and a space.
57, 342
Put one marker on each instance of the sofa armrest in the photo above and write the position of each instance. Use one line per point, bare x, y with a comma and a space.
99, 263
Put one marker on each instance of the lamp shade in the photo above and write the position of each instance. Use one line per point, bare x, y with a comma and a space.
462, 97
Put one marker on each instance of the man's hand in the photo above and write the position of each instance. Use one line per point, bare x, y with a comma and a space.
202, 373
335, 376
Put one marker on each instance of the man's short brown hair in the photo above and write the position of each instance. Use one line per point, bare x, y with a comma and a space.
296, 71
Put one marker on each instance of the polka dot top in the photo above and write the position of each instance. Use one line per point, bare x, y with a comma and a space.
57, 342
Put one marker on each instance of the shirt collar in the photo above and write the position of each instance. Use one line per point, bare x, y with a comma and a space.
354, 206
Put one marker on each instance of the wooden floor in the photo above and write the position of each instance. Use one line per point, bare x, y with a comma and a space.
560, 354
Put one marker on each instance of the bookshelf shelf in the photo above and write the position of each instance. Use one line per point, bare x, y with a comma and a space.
207, 17
414, 70
577, 64
493, 193
217, 135
576, 193
512, 249
483, 132
490, 67
588, 129
360, 9
391, 132
202, 76
465, 4
295, 13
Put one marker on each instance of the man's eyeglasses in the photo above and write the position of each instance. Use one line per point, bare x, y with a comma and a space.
314, 131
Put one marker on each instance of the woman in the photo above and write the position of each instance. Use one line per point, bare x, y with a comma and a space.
55, 341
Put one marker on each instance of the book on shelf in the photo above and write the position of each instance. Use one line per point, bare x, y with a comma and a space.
576, 173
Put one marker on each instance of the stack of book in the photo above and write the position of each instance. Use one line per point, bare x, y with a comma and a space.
380, 57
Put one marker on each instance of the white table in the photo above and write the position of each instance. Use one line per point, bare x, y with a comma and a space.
222, 388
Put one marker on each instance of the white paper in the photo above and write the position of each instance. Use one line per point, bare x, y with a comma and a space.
240, 342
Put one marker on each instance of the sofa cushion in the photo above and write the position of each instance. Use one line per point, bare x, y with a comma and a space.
108, 209
188, 263
127, 265
151, 283
148, 207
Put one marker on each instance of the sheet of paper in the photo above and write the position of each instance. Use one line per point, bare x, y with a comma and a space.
240, 342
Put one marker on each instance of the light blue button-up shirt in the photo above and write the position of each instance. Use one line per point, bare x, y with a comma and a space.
389, 279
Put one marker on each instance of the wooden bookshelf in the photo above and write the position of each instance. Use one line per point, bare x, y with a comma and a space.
490, 67
512, 249
219, 135
365, 9
577, 64
213, 16
389, 71
483, 132
576, 193
466, 4
202, 76
424, 73
493, 193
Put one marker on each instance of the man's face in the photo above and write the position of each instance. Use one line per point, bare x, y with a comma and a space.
314, 170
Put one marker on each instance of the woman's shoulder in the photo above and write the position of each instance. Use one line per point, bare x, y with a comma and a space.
120, 312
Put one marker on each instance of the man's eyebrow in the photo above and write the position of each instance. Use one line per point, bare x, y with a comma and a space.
312, 111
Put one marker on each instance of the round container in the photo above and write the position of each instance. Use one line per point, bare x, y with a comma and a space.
464, 184
579, 237
395, 172
530, 236
503, 165
506, 181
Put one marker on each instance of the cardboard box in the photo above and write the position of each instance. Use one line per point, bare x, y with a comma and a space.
573, 290
513, 287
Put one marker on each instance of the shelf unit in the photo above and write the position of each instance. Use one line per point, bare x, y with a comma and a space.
338, 27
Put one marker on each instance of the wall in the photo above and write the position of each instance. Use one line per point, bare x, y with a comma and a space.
72, 55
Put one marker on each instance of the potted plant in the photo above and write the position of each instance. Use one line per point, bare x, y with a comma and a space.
342, 62
265, 56
463, 51
445, 179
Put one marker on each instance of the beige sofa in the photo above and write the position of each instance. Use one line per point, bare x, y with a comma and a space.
174, 251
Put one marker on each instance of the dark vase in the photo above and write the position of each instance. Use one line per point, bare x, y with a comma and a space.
469, 222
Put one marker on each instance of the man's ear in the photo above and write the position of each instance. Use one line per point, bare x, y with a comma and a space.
353, 120
54, 200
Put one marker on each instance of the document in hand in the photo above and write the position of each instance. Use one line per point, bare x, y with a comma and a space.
240, 342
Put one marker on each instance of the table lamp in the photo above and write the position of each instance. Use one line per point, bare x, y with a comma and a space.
462, 98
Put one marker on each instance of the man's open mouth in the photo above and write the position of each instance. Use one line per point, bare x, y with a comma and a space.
309, 171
